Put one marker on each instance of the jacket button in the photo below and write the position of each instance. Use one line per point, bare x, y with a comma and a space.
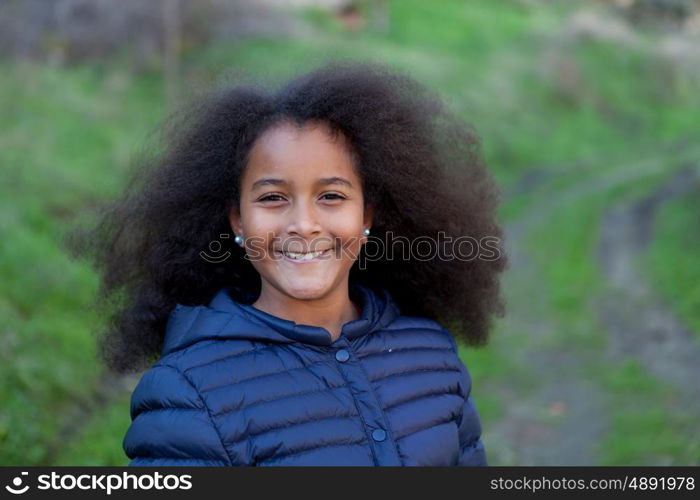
379, 434
342, 355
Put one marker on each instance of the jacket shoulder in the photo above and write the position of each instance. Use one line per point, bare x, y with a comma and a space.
416, 322
421, 329
171, 425
205, 351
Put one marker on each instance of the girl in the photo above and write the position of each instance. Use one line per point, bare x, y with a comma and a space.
294, 263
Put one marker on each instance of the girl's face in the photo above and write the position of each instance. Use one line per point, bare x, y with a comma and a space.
300, 195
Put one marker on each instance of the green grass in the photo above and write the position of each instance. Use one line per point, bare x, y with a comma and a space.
489, 365
643, 430
672, 258
100, 442
67, 135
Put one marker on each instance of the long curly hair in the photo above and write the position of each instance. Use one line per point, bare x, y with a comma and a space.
421, 169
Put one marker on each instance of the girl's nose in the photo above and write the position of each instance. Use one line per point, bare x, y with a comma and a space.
303, 221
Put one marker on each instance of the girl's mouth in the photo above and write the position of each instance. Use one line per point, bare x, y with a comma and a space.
305, 257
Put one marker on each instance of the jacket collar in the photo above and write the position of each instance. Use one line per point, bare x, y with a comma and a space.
226, 318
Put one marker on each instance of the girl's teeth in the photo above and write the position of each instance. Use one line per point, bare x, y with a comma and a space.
303, 256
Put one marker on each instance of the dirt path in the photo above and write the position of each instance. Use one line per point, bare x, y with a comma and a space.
638, 323
557, 415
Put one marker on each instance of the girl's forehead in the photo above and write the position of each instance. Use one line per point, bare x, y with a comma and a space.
299, 155
259, 178
284, 139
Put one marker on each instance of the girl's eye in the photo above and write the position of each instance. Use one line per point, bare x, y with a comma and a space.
271, 197
278, 197
334, 196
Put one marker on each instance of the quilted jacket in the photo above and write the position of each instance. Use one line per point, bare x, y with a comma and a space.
237, 386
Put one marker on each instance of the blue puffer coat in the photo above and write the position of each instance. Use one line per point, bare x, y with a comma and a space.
238, 386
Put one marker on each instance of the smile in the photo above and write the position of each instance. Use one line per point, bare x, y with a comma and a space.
305, 257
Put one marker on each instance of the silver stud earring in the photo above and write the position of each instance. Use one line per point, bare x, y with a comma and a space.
366, 232
238, 239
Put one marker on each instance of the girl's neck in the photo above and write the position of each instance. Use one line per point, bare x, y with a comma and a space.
330, 312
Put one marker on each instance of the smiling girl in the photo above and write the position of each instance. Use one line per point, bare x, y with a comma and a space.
303, 340
301, 207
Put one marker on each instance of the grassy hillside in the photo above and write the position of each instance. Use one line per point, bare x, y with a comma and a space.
570, 127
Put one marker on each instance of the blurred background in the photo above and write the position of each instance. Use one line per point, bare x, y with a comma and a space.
589, 112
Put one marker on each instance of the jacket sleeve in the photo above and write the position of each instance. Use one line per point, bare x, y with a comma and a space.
171, 424
472, 451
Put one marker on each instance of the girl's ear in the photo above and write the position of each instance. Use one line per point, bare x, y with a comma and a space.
234, 218
368, 216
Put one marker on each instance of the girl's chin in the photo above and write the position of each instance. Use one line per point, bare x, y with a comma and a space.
307, 293
307, 289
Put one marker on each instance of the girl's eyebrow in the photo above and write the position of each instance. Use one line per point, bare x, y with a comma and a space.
325, 181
